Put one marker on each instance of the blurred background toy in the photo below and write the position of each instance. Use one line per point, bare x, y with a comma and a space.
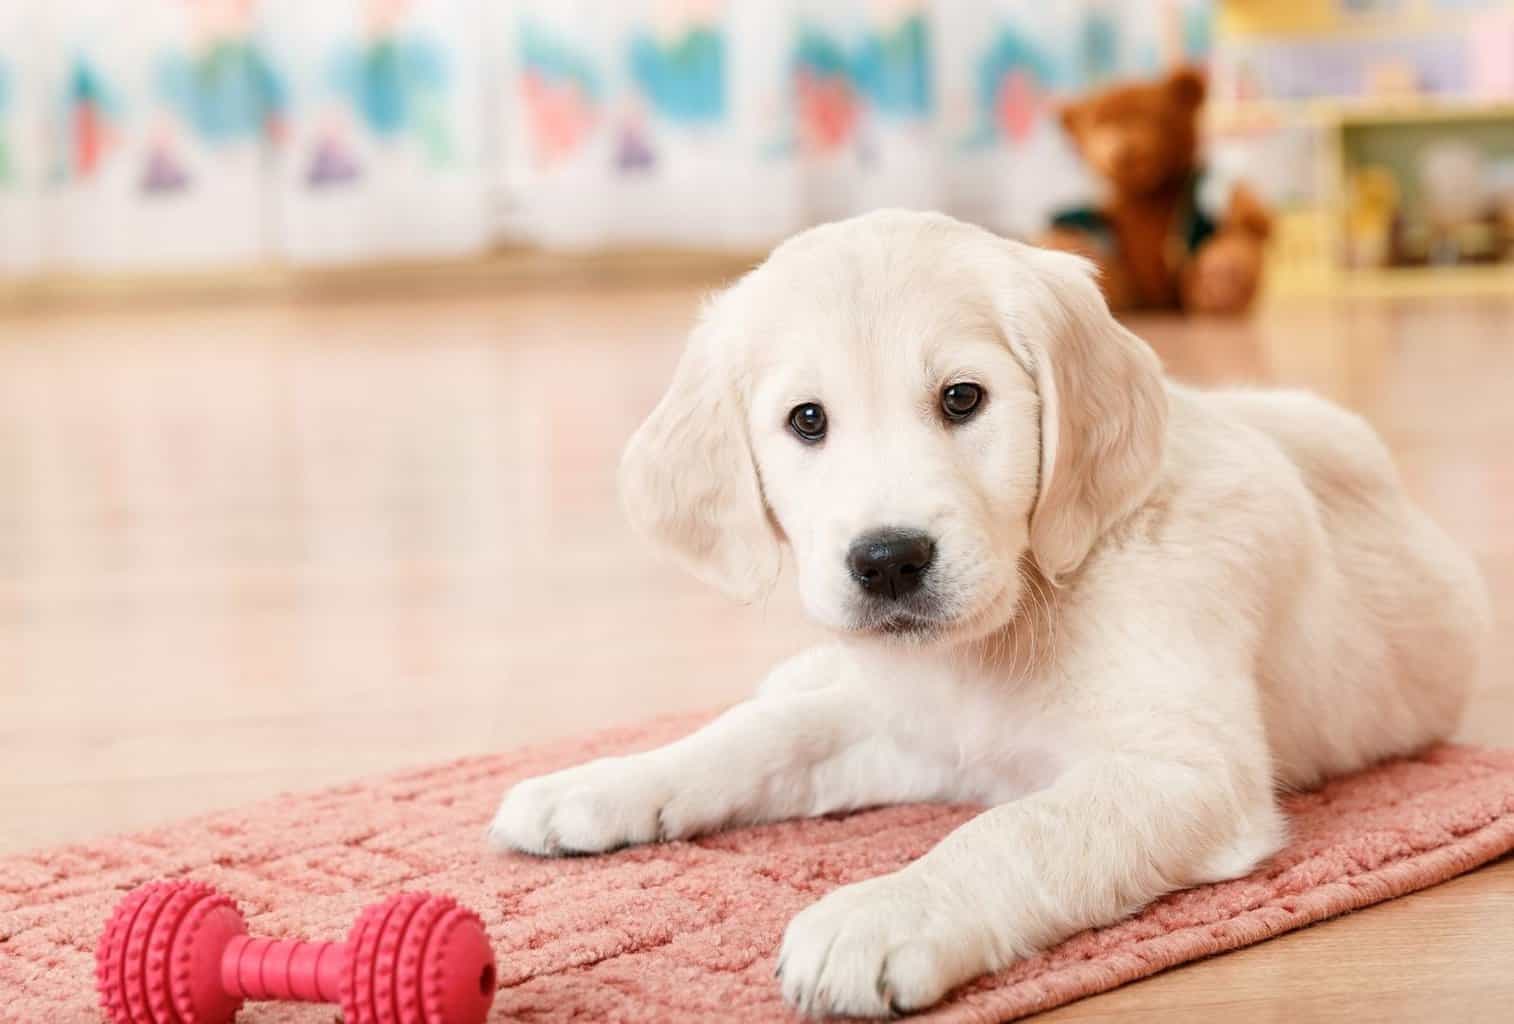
1372, 219
1169, 234
1459, 220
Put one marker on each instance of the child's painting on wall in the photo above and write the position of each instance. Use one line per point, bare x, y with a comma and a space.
678, 70
216, 89
89, 125
160, 119
384, 115
561, 92
223, 85
395, 79
846, 71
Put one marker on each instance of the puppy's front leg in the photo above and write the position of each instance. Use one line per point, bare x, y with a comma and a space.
806, 745
1108, 837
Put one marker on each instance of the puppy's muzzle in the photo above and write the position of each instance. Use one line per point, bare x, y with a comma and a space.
890, 563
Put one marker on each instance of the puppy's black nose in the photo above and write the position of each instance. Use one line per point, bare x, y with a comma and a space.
890, 563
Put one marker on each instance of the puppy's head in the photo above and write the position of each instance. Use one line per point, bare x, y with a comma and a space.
913, 406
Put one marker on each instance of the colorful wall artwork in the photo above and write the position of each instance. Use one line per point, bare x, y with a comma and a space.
828, 103
397, 83
1014, 79
682, 79
88, 127
381, 150
226, 91
339, 130
214, 90
560, 89
884, 70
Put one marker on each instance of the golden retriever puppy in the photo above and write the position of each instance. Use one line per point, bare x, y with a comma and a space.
1119, 612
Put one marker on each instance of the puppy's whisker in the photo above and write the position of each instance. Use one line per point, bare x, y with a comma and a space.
1045, 615
1027, 621
1048, 602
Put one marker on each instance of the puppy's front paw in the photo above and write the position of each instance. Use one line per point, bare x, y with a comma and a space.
879, 948
599, 806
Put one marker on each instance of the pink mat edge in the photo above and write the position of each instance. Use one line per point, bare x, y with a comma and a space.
1067, 985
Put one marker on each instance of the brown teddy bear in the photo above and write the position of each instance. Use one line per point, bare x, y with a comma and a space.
1163, 240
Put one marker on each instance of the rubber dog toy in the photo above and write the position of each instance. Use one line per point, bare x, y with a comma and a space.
179, 953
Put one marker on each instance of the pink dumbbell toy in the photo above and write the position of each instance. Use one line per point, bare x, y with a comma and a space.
179, 953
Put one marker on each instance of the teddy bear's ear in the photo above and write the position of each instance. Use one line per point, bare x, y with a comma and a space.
1186, 87
1071, 116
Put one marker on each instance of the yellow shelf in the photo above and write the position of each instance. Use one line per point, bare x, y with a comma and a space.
1413, 110
1471, 281
1368, 110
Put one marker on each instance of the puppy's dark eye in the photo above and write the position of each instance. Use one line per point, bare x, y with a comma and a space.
808, 421
959, 401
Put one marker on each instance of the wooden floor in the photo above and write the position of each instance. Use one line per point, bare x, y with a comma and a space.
247, 548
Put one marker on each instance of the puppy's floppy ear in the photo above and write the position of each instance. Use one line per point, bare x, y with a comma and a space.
688, 481
1103, 411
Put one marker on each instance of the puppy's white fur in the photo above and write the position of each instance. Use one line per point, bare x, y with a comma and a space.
1154, 606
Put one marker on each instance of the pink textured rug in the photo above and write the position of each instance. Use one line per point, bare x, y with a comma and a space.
687, 932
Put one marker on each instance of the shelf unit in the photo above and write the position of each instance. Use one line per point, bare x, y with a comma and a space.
1308, 254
